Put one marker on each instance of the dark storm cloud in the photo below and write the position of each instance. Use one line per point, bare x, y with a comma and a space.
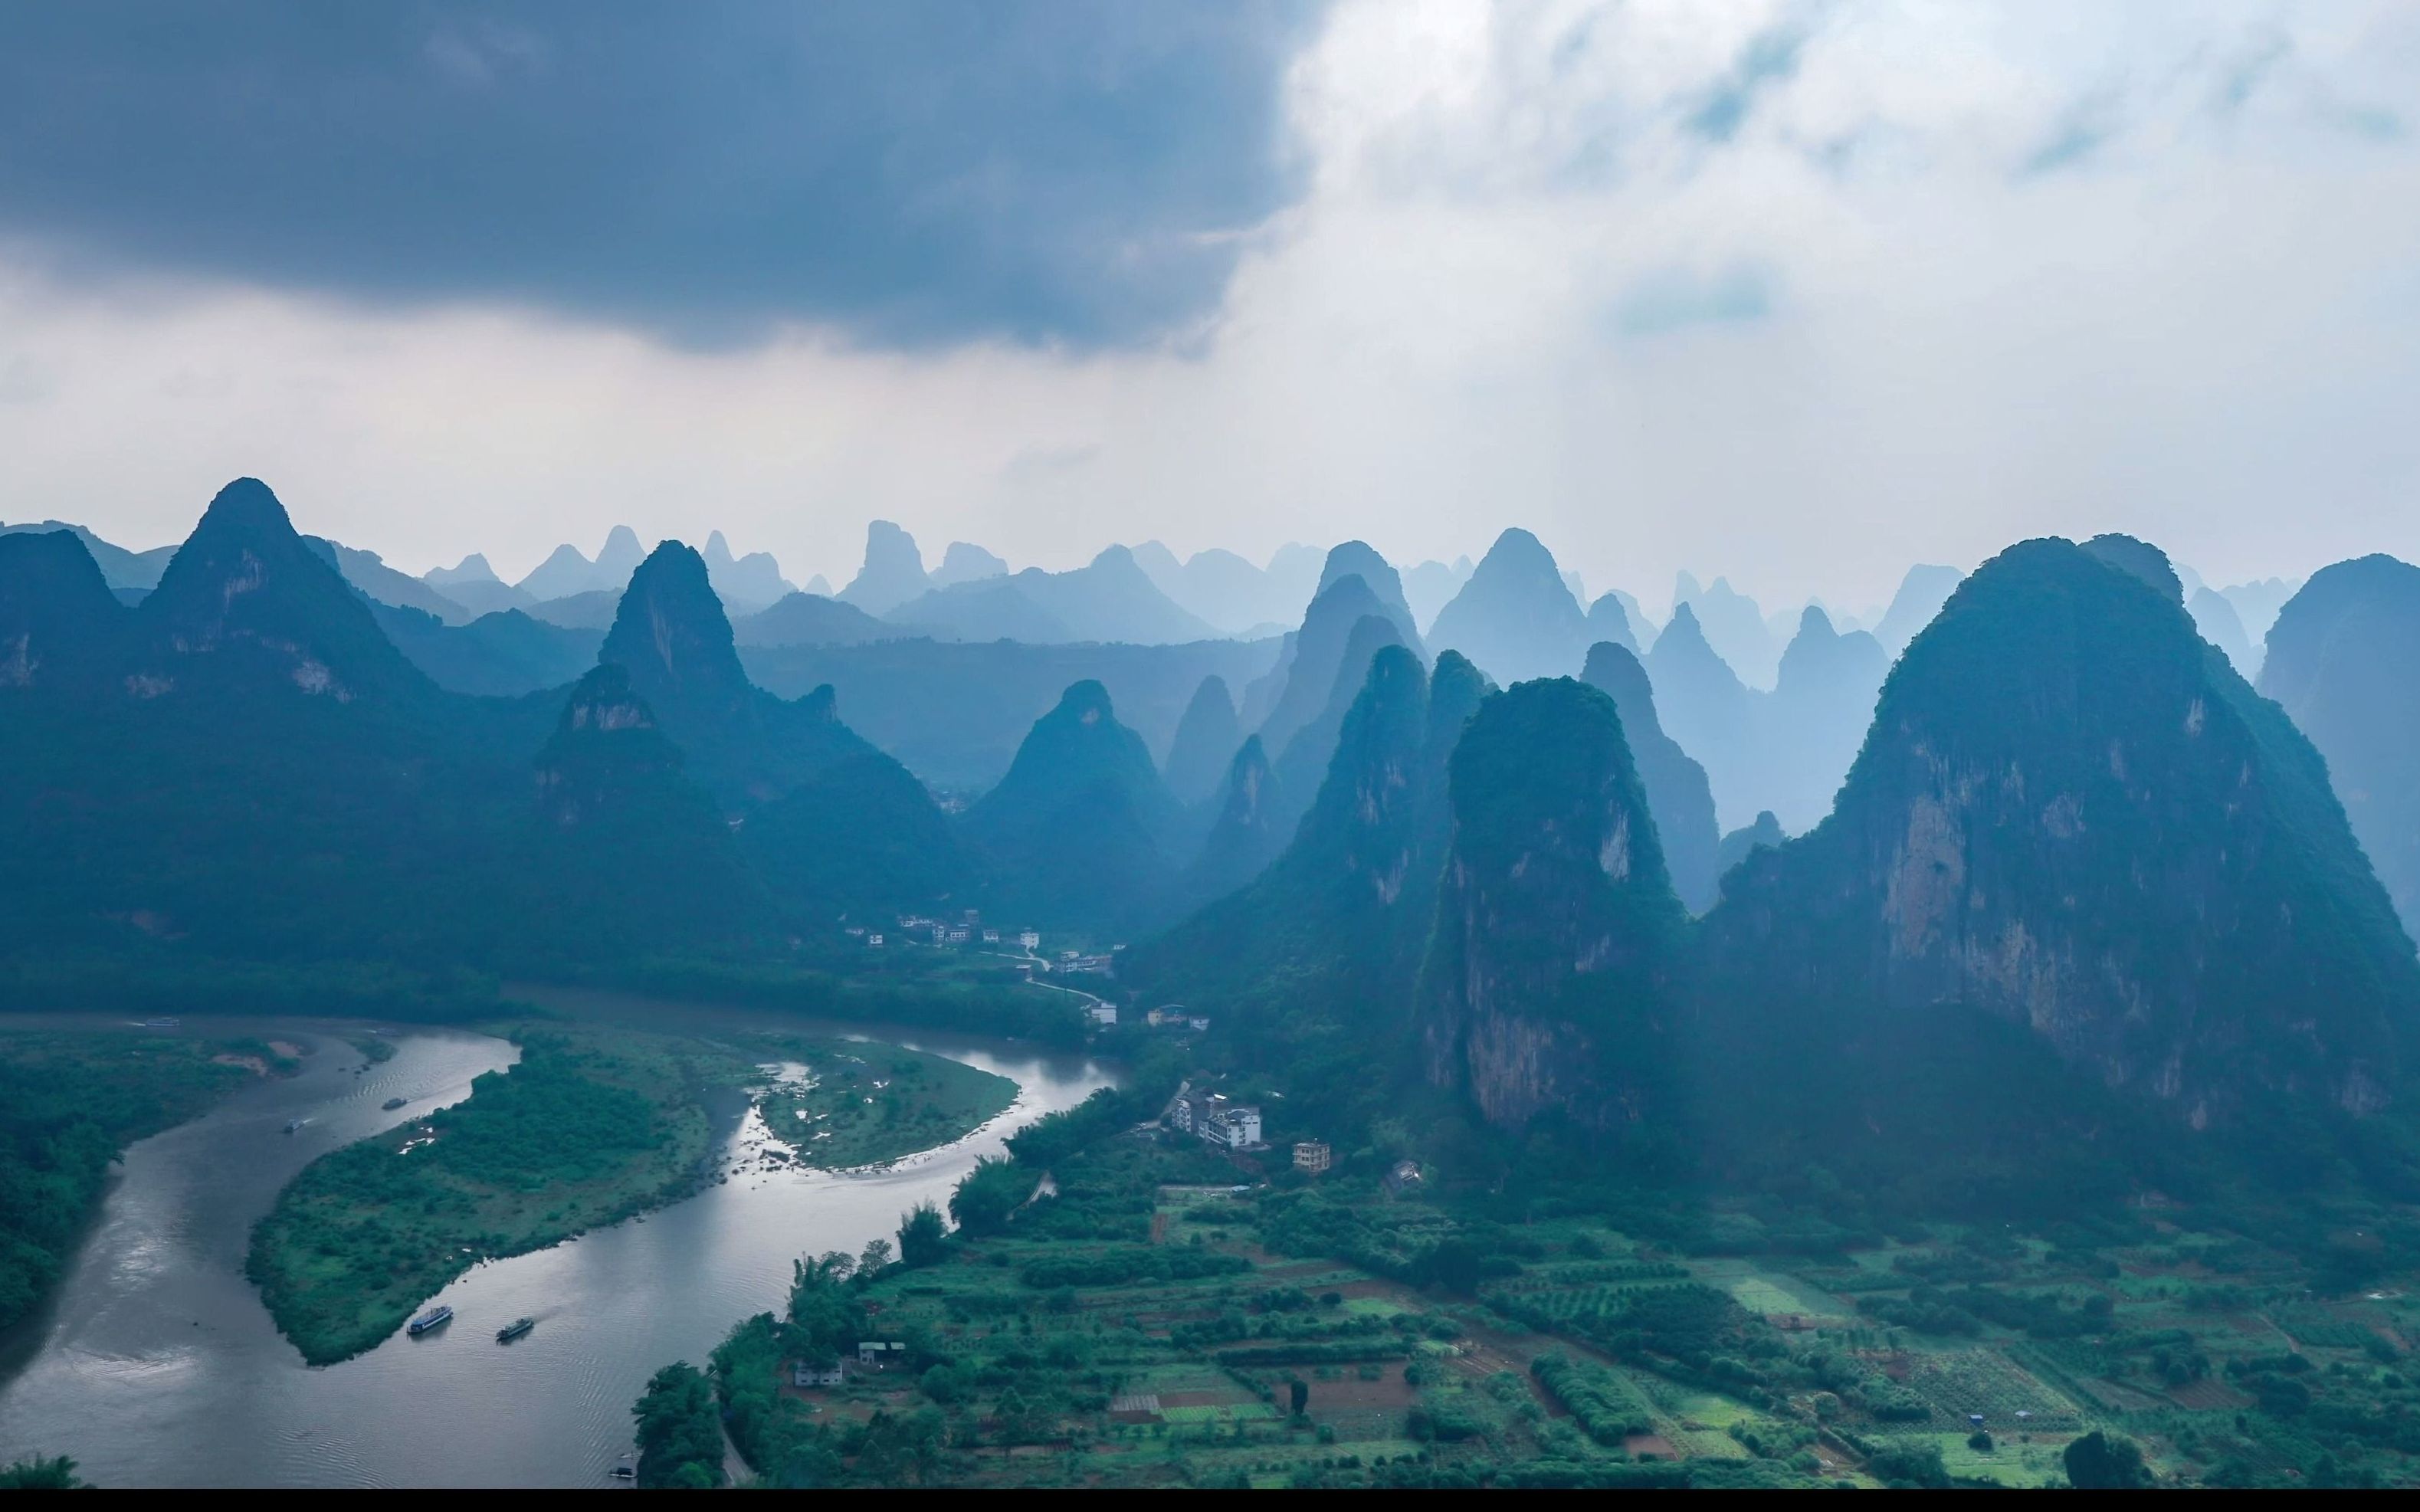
916, 171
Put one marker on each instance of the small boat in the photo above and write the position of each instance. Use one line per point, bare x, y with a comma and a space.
515, 1328
434, 1318
293, 1124
623, 1472
391, 1104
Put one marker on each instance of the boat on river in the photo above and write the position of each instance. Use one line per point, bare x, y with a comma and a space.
515, 1328
434, 1318
391, 1104
293, 1124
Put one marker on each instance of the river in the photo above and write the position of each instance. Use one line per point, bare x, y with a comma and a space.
154, 1363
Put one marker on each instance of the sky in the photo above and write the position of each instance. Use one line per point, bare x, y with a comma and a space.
1795, 293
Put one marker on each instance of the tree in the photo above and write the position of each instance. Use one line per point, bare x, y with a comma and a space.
810, 1464
893, 1450
1453, 1264
1299, 1392
38, 1474
2097, 1462
922, 1236
991, 1192
875, 1260
680, 1430
824, 1310
1014, 1415
1909, 1463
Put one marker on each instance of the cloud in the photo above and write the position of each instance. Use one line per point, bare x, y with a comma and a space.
23, 381
1853, 335
912, 172
1671, 298
2077, 138
1769, 58
1045, 465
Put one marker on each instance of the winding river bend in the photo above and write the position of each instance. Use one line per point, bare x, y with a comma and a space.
155, 1365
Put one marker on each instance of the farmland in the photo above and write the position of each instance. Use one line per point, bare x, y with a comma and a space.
1174, 1318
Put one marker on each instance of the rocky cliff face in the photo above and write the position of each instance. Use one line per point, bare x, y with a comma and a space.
606, 749
1305, 762
1078, 828
1330, 936
2073, 816
1245, 838
674, 635
247, 604
673, 638
626, 849
1549, 978
58, 620
1678, 794
2340, 661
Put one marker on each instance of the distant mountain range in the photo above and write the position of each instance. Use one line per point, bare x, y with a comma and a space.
2085, 896
2085, 905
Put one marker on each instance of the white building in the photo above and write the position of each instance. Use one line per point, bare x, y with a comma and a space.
816, 1373
1210, 1117
1103, 1014
1238, 1127
1029, 940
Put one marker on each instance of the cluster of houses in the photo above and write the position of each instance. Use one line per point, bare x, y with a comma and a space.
1073, 961
966, 930
1174, 1017
1212, 1118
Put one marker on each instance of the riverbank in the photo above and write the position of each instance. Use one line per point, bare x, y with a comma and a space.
597, 1123
69, 1104
590, 1128
863, 1103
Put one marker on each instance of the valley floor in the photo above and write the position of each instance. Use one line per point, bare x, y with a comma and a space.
1153, 1325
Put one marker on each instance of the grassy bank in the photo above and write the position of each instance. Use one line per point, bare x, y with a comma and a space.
865, 1104
586, 1130
69, 1104
593, 1125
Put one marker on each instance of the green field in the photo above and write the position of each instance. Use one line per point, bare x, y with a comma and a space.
1149, 1326
593, 1125
865, 1104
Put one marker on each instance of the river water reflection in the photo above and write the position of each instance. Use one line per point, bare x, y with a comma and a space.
155, 1363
